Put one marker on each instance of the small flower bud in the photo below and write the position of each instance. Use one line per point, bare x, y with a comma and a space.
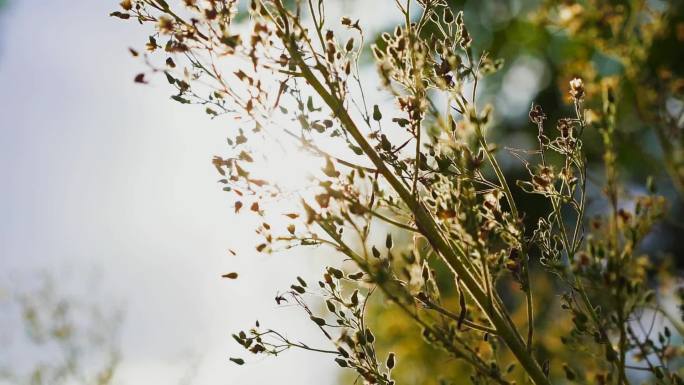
577, 88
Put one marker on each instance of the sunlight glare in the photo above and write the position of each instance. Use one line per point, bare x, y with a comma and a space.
287, 165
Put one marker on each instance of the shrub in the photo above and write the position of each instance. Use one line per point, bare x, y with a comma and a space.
413, 195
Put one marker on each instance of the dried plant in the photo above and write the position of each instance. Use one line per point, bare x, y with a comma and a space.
423, 173
636, 37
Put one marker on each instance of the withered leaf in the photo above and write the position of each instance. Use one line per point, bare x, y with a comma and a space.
140, 78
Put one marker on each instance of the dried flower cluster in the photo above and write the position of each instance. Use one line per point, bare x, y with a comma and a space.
426, 171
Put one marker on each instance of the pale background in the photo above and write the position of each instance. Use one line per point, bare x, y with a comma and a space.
108, 187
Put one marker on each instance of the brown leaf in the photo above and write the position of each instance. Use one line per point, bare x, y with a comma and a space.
140, 78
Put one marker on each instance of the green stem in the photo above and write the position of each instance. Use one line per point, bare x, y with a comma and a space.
472, 359
425, 223
514, 212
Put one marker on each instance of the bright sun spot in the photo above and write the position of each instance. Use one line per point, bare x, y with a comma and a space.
287, 165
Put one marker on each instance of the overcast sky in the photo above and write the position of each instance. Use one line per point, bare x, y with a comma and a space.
110, 182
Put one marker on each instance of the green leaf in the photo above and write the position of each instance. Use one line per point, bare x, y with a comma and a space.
298, 289
163, 4
120, 15
170, 78
180, 99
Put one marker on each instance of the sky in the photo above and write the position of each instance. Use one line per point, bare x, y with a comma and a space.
108, 188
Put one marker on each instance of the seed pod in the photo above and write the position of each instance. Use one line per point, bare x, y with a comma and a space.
390, 361
355, 298
369, 336
301, 281
377, 52
350, 44
377, 115
335, 272
341, 362
448, 16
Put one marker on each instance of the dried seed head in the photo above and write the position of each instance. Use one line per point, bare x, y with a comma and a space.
577, 89
565, 128
537, 115
165, 25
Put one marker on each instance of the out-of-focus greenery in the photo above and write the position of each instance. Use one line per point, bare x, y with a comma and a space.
635, 47
56, 338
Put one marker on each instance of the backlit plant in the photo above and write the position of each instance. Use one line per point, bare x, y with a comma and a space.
410, 187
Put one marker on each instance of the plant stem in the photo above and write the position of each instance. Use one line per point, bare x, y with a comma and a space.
424, 221
514, 212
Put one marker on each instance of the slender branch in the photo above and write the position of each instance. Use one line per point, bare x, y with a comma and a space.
431, 305
424, 220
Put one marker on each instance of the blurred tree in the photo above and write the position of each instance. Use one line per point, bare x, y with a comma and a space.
624, 44
57, 339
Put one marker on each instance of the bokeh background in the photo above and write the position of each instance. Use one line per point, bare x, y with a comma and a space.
112, 221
